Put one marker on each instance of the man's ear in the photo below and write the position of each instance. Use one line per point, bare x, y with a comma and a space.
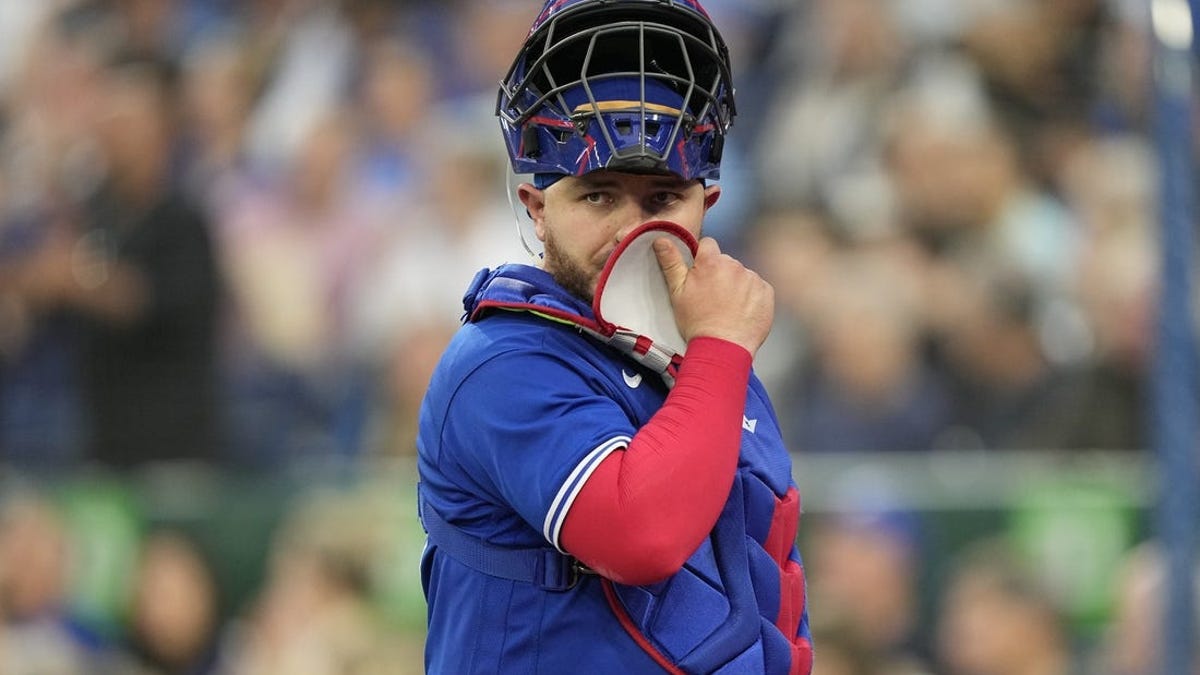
711, 194
535, 205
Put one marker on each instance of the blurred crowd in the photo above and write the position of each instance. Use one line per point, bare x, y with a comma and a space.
89, 587
235, 234
238, 231
158, 602
994, 613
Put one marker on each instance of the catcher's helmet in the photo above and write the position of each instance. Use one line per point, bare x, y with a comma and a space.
629, 85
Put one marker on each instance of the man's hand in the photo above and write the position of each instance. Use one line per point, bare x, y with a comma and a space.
717, 297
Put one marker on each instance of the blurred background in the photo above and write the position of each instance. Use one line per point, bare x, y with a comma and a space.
234, 235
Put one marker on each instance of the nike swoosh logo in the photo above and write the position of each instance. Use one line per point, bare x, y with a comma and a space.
633, 381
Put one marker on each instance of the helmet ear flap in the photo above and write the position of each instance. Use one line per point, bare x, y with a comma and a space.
530, 145
717, 150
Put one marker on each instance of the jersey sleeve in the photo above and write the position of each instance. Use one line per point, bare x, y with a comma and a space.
646, 510
530, 428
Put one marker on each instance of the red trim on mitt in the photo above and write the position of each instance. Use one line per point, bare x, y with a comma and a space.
607, 327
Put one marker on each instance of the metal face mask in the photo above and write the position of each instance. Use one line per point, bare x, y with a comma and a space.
639, 86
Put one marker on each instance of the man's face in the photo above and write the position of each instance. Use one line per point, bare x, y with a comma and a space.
580, 220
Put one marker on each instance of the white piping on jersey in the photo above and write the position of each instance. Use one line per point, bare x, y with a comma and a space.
561, 505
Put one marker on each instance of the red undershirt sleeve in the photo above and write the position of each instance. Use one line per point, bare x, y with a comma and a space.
647, 508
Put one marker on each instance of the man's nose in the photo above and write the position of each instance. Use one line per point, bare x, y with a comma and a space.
630, 221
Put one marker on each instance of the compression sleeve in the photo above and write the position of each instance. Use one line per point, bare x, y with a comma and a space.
647, 508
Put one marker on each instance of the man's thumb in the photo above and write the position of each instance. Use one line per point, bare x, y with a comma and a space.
671, 261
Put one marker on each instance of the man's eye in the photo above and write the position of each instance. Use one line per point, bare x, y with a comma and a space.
665, 197
596, 198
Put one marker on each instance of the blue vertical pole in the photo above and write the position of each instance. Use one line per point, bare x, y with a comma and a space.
1176, 373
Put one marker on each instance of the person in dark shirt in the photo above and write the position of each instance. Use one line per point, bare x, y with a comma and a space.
148, 358
134, 267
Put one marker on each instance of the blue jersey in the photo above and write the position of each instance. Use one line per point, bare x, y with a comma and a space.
520, 410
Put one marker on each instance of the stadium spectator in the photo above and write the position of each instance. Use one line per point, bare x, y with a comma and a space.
132, 264
1109, 182
1042, 68
174, 614
961, 189
822, 142
40, 634
1009, 395
868, 386
146, 285
995, 618
794, 247
51, 100
865, 574
216, 98
1132, 641
293, 251
313, 613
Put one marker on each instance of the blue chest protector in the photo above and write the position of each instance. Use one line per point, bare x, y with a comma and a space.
737, 606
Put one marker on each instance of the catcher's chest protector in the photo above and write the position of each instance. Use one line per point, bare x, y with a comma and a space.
738, 605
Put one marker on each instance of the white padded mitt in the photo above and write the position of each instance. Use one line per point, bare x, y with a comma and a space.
632, 293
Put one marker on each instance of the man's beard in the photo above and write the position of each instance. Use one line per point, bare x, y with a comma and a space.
570, 275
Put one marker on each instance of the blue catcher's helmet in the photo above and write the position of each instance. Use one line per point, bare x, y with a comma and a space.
641, 86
